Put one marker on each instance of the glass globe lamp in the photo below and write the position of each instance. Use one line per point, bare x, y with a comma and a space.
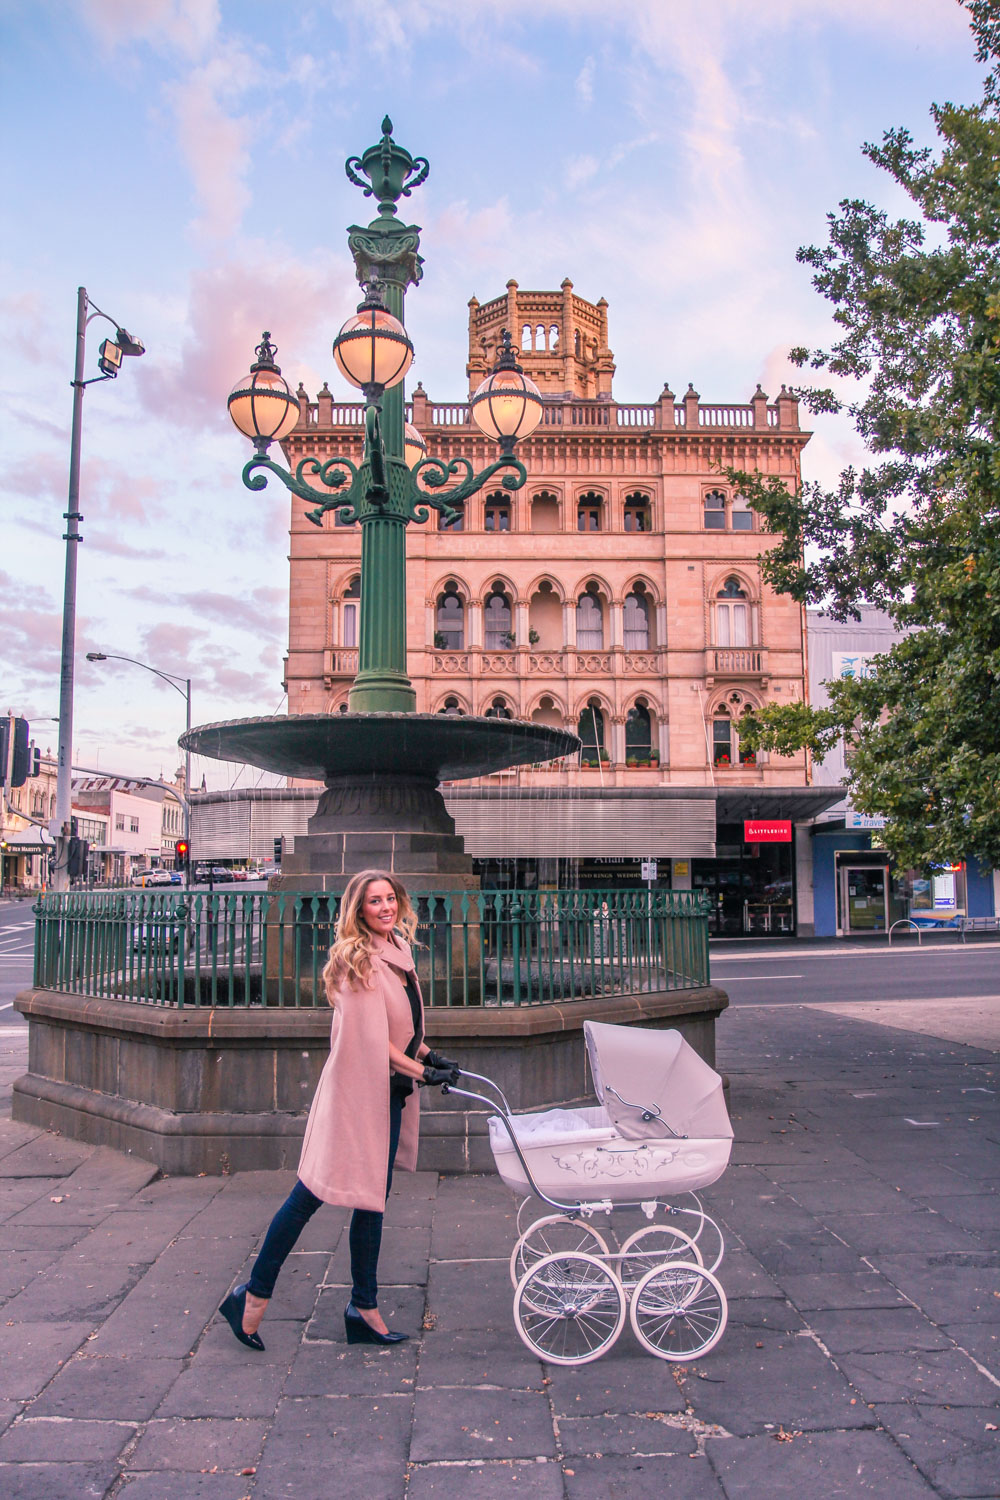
261, 404
507, 406
373, 350
414, 447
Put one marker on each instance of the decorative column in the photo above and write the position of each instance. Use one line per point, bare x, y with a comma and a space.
474, 611
521, 622
569, 624
661, 626
513, 318
617, 623
617, 746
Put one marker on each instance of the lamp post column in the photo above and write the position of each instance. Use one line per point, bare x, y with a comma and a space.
71, 536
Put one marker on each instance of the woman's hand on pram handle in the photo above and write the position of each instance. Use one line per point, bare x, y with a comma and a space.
440, 1075
438, 1060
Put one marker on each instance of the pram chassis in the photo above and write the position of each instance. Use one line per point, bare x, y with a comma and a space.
572, 1292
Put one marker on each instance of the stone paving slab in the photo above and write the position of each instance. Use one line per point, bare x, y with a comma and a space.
861, 1354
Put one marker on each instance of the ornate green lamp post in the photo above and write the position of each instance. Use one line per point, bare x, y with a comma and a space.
384, 493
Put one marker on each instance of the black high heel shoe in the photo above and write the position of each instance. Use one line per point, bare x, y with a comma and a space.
359, 1331
232, 1310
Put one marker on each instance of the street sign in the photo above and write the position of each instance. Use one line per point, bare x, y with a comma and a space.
649, 869
767, 831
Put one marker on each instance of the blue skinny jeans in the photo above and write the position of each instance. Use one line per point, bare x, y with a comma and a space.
365, 1233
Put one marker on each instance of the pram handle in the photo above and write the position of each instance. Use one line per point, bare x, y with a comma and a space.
504, 1115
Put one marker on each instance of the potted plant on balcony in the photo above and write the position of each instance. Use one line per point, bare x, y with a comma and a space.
631, 761
605, 757
508, 641
654, 757
440, 641
722, 760
533, 637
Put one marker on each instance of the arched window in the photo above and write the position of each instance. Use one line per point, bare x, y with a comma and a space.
553, 336
449, 631
722, 739
590, 728
498, 710
540, 337
715, 510
638, 732
637, 516
497, 618
451, 706
588, 512
576, 343
589, 621
636, 620
350, 612
544, 512
547, 713
526, 336
741, 516
732, 615
497, 512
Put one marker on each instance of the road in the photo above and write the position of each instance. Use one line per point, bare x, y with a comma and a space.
796, 974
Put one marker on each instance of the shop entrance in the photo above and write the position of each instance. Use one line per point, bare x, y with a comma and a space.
863, 898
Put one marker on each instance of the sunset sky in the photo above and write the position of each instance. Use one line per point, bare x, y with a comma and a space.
183, 159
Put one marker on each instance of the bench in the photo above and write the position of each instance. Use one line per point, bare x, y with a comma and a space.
978, 924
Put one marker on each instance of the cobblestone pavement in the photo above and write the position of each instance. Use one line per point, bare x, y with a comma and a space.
861, 1356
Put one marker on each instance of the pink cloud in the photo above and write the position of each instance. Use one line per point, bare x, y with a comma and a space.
229, 306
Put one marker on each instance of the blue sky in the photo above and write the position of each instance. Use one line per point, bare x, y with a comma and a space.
183, 159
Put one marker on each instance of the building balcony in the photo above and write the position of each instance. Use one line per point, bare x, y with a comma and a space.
736, 661
520, 661
339, 662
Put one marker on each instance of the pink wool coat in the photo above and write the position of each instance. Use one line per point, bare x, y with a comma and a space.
345, 1153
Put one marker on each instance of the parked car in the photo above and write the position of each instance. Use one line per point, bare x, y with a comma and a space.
140, 876
159, 877
221, 873
176, 878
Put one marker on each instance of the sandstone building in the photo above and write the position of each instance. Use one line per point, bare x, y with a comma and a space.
618, 593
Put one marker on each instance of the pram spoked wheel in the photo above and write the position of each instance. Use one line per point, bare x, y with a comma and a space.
569, 1308
555, 1234
678, 1311
652, 1246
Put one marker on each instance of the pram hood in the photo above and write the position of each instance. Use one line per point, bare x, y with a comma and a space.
655, 1070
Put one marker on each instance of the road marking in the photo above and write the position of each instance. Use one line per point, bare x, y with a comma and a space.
802, 955
760, 978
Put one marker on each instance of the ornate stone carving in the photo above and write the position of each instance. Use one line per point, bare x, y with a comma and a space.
635, 661
594, 661
550, 662
450, 662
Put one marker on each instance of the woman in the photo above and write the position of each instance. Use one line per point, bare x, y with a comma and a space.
365, 1106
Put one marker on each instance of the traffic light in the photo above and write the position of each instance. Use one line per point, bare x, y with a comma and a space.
36, 761
76, 857
181, 851
277, 851
15, 756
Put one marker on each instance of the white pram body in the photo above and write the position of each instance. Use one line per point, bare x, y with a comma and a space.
660, 1127
659, 1131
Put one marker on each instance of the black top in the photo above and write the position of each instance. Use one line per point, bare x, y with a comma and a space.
399, 1083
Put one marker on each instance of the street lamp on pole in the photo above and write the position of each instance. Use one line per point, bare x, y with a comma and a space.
185, 692
111, 354
396, 482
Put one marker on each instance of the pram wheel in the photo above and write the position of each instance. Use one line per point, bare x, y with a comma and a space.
678, 1311
556, 1234
650, 1247
569, 1308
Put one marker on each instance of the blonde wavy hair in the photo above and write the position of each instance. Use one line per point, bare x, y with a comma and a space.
351, 955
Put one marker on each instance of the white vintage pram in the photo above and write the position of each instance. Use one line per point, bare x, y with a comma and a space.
659, 1132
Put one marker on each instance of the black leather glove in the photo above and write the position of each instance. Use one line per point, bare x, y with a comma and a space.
440, 1075
438, 1060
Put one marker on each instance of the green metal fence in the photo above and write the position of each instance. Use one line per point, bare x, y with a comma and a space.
268, 948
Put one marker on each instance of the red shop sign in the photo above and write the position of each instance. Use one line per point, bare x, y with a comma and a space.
768, 831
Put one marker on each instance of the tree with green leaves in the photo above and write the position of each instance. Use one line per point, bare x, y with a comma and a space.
916, 532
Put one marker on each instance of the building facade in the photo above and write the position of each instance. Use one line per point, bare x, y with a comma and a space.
618, 593
856, 889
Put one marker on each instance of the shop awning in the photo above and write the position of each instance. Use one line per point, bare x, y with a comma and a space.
27, 840
571, 823
800, 804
